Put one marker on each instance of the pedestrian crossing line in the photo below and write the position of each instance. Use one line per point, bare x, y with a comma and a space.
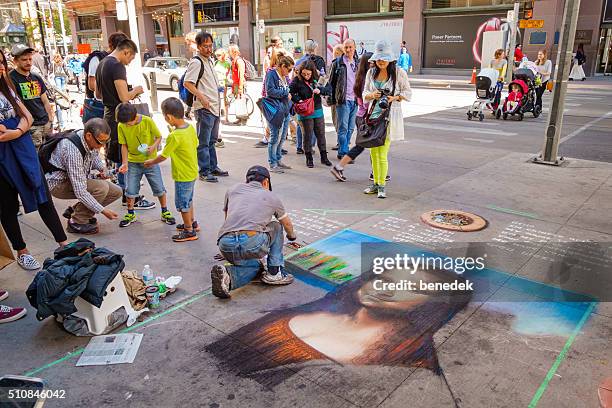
465, 121
463, 129
227, 134
478, 140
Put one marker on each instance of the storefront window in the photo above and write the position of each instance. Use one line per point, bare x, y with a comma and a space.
340, 7
279, 9
216, 11
89, 23
176, 26
441, 4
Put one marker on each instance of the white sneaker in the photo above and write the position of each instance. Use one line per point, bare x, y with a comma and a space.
278, 279
28, 262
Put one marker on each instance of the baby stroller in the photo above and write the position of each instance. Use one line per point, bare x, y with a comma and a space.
528, 102
488, 94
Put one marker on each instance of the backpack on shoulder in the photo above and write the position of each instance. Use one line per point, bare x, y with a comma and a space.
46, 149
250, 72
184, 94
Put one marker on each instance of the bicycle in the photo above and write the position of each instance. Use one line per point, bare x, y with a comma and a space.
250, 105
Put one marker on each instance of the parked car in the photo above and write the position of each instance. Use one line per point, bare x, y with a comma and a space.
168, 71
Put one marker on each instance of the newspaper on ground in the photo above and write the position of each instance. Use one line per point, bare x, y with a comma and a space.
111, 349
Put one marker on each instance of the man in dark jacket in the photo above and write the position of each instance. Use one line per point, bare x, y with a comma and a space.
342, 80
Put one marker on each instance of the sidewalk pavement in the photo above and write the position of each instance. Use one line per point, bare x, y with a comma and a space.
490, 356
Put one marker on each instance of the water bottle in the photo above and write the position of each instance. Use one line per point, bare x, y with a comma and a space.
147, 276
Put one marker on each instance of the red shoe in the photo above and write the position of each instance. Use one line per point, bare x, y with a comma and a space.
9, 314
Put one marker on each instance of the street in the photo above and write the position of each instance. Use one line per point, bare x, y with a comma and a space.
492, 353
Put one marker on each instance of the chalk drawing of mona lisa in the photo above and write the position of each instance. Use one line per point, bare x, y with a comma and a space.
353, 325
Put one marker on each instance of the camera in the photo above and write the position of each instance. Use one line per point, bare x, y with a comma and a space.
383, 102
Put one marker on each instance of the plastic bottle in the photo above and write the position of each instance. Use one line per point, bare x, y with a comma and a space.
147, 276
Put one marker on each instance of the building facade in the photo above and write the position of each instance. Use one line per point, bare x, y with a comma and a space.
443, 36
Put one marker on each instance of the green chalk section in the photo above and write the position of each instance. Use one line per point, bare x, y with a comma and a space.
568, 344
325, 211
514, 212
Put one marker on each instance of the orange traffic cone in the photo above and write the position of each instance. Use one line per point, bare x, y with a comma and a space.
473, 80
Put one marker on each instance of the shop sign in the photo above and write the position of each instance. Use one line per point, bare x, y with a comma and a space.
366, 32
397, 5
531, 23
583, 36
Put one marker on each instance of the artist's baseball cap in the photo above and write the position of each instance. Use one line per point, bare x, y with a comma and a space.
20, 49
258, 173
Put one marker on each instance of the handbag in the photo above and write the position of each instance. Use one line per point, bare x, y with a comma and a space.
273, 110
549, 85
372, 132
142, 107
305, 107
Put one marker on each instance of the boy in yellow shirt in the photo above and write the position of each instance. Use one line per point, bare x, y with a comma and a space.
181, 147
139, 139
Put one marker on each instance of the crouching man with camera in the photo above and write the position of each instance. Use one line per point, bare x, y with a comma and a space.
386, 85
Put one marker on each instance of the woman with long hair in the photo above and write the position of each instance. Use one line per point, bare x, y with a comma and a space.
60, 76
303, 87
20, 176
360, 76
277, 87
388, 80
544, 67
500, 63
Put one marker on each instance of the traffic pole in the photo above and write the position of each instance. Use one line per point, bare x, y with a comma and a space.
550, 150
514, 29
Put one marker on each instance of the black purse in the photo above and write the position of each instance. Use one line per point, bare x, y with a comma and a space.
372, 132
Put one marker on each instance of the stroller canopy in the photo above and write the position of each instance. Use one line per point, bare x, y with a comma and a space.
526, 74
490, 73
521, 83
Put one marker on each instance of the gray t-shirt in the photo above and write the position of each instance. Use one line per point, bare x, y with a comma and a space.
208, 85
250, 207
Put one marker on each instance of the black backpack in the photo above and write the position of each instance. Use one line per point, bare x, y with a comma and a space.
47, 148
100, 55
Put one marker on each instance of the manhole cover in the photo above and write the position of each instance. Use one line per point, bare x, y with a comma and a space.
454, 220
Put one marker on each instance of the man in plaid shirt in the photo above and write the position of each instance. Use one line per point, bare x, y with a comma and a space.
72, 179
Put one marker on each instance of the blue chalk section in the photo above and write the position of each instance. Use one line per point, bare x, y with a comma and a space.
538, 309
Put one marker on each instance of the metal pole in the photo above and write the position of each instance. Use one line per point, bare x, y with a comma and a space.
191, 16
41, 28
257, 35
564, 59
514, 27
60, 12
153, 84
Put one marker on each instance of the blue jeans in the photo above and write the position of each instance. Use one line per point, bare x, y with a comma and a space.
346, 113
244, 252
299, 143
183, 195
60, 82
153, 175
208, 133
275, 145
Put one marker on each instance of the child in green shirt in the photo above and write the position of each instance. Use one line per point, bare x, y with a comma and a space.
139, 139
181, 146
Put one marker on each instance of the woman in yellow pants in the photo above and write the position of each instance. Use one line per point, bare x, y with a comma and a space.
385, 78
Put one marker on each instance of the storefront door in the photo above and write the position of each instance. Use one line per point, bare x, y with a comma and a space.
604, 54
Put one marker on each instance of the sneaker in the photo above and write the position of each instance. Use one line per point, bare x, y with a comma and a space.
300, 151
220, 173
386, 178
261, 144
219, 144
9, 314
338, 174
276, 169
3, 294
221, 281
142, 204
85, 229
335, 147
194, 225
280, 278
167, 217
28, 262
209, 178
372, 189
127, 220
185, 235
381, 192
284, 152
284, 166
